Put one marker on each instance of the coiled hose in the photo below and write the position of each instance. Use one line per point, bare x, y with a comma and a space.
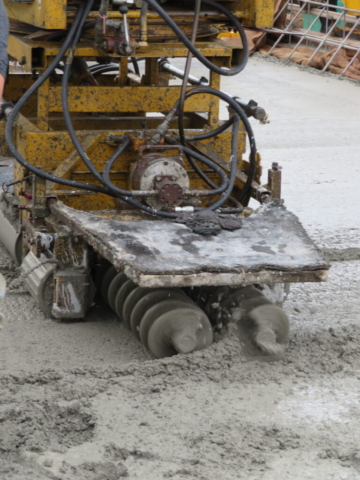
110, 189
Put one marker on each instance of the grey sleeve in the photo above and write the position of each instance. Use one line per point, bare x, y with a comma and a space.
4, 33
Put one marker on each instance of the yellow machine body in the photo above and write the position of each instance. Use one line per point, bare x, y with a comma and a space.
73, 237
41, 136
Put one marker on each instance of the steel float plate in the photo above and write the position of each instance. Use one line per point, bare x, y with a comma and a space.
271, 247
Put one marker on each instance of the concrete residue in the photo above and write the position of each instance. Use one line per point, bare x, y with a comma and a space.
100, 408
85, 401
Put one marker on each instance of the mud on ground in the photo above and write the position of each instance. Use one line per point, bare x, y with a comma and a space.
109, 411
85, 401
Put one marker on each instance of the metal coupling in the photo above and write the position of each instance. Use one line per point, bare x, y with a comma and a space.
163, 128
187, 209
252, 109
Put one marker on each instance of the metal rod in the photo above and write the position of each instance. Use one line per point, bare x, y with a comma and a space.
331, 14
349, 46
166, 65
341, 45
350, 63
324, 40
286, 29
143, 25
302, 38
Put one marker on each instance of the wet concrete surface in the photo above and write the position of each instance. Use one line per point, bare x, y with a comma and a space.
85, 401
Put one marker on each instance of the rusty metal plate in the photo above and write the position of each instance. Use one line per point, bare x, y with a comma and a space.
271, 247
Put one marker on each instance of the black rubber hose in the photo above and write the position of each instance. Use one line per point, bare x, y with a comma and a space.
105, 69
212, 133
180, 34
240, 112
16, 110
106, 181
183, 93
94, 68
188, 152
65, 100
150, 210
233, 167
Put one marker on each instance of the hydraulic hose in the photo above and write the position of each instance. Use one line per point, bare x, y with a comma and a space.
65, 100
212, 133
96, 69
72, 40
16, 110
180, 34
233, 167
239, 111
102, 179
183, 93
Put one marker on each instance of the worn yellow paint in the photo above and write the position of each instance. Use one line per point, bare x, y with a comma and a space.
73, 161
3, 148
15, 87
47, 145
54, 151
49, 14
21, 51
53, 13
43, 106
126, 99
260, 13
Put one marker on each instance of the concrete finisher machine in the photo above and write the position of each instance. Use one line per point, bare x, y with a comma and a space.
126, 184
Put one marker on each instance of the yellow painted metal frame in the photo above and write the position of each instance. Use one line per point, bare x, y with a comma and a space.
50, 148
53, 14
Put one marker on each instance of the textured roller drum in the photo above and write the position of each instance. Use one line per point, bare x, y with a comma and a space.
150, 299
262, 327
114, 287
154, 312
126, 288
183, 330
107, 279
130, 302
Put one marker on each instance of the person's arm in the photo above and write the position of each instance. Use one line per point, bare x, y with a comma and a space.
2, 83
4, 33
